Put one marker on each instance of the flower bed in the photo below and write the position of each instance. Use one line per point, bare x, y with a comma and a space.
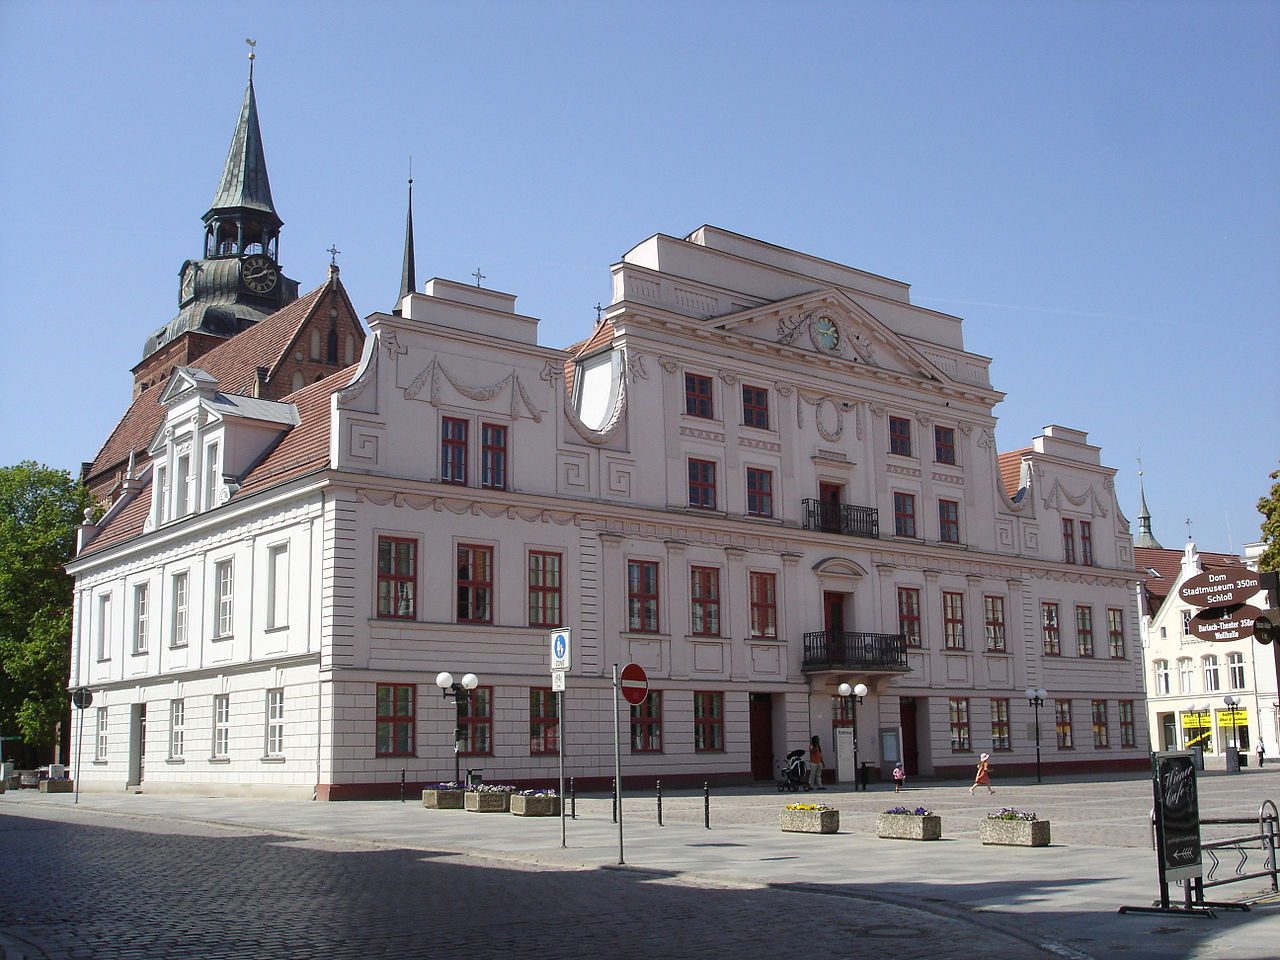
442, 796
809, 818
535, 803
489, 798
899, 823
1014, 828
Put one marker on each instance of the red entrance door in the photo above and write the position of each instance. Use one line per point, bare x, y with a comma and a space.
910, 746
829, 494
761, 719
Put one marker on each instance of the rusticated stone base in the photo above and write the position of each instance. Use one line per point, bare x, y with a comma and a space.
810, 821
1016, 833
907, 826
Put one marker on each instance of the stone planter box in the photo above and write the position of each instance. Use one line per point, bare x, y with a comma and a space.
56, 786
809, 821
523, 806
488, 801
1016, 833
2, 785
907, 826
442, 799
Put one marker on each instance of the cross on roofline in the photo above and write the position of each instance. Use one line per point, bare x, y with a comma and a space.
478, 275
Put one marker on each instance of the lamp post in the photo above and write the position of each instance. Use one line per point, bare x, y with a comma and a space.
859, 691
1036, 699
1233, 757
456, 689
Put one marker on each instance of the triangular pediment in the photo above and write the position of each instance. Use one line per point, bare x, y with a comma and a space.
183, 382
828, 323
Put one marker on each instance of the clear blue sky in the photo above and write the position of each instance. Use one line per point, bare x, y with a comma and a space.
1093, 187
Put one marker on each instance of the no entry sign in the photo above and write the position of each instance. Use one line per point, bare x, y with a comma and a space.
635, 684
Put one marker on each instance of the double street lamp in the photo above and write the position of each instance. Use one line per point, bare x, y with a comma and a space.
859, 691
1035, 697
459, 690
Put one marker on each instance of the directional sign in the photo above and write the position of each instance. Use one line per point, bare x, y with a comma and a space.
561, 649
1224, 624
1220, 588
635, 684
82, 697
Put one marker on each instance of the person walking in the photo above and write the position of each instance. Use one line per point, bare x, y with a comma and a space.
983, 775
1261, 751
815, 764
899, 775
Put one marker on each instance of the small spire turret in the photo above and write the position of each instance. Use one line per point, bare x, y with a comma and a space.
408, 272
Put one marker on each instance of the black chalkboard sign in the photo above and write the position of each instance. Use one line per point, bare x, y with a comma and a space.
1177, 815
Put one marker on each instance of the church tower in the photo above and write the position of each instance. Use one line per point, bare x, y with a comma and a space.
238, 281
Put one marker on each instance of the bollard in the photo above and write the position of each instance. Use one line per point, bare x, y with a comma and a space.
659, 803
706, 804
615, 799
402, 786
573, 801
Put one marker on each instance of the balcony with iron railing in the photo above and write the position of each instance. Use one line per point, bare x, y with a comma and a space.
847, 519
866, 652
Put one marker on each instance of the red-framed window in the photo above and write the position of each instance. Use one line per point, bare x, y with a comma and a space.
1050, 633
702, 484
697, 395
475, 583
993, 614
397, 577
759, 492
642, 596
904, 515
1100, 738
1068, 541
646, 724
453, 450
953, 620
764, 605
544, 721
949, 521
704, 601
900, 436
958, 710
545, 609
1115, 632
395, 719
755, 407
475, 721
944, 444
1086, 543
708, 722
1127, 735
909, 615
493, 456
1062, 724
1000, 724
1084, 631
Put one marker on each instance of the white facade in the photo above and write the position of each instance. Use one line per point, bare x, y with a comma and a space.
763, 474
1189, 679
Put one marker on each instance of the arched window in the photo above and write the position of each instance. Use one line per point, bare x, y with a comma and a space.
331, 354
351, 349
1162, 676
299, 381
315, 344
1186, 675
1210, 665
1235, 670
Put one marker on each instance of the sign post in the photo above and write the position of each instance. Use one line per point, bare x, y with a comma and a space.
561, 660
82, 698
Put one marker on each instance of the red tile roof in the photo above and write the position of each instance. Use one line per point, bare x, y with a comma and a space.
1011, 469
303, 449
233, 363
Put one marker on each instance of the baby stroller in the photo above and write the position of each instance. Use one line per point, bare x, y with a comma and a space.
793, 773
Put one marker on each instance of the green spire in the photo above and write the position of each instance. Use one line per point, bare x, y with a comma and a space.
408, 274
244, 187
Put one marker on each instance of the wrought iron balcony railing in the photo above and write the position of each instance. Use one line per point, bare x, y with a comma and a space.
839, 650
843, 518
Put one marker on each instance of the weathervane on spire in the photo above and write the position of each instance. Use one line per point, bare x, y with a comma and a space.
252, 44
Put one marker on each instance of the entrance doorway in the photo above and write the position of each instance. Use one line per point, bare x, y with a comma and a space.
137, 743
910, 745
761, 720
1168, 732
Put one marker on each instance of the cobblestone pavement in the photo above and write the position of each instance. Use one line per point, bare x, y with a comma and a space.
162, 876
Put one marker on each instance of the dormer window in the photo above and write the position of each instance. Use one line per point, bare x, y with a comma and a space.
182, 486
212, 476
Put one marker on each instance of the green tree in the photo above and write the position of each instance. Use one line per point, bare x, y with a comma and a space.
1269, 507
39, 510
